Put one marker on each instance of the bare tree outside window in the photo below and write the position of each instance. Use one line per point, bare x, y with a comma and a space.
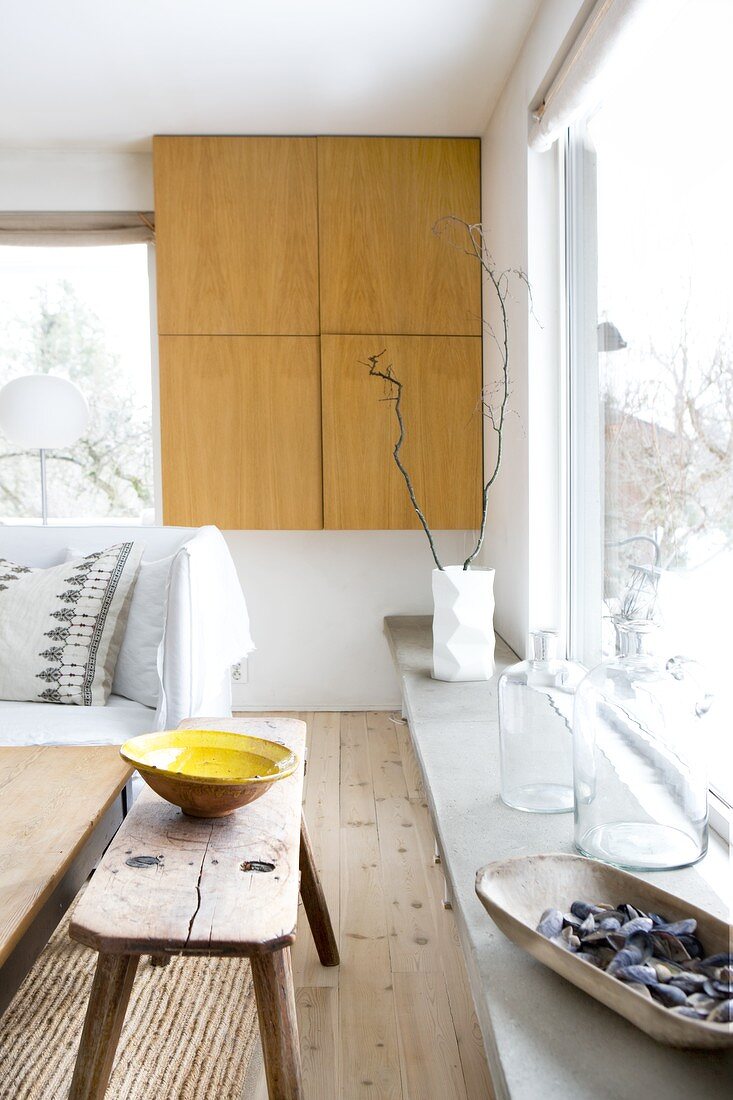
669, 458
653, 480
109, 473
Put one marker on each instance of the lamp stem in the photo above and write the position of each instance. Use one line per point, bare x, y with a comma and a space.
44, 498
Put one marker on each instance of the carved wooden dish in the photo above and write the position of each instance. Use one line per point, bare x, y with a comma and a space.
515, 892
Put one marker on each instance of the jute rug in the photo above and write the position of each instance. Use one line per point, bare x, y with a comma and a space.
190, 1033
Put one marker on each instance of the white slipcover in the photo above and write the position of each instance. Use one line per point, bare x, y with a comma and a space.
206, 632
52, 724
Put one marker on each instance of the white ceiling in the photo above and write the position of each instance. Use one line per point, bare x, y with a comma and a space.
107, 74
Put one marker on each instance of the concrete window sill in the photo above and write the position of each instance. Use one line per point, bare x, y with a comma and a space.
543, 1037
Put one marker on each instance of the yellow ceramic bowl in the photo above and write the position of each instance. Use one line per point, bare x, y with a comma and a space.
208, 773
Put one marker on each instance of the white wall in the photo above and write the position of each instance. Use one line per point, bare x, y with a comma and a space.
521, 217
48, 179
317, 598
317, 601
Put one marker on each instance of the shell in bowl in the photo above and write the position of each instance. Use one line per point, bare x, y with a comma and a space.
515, 892
208, 773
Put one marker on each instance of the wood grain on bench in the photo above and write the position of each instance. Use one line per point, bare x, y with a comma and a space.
174, 884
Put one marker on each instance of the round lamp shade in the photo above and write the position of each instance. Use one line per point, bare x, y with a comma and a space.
42, 411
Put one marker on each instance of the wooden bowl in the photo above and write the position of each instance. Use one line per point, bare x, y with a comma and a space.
208, 773
515, 892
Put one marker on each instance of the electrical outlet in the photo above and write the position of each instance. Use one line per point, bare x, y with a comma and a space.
240, 672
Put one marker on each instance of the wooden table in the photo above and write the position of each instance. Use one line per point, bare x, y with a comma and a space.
176, 885
60, 806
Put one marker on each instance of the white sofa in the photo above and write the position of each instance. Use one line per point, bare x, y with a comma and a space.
205, 631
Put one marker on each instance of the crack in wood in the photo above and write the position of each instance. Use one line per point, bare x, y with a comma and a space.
198, 887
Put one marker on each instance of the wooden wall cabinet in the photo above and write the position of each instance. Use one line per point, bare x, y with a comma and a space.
382, 267
263, 244
241, 431
237, 237
441, 406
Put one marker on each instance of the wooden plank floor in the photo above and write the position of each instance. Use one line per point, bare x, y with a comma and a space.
395, 1021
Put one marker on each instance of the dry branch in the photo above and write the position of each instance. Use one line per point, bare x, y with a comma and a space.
470, 240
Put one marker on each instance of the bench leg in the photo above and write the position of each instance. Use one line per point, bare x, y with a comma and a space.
273, 981
314, 901
102, 1026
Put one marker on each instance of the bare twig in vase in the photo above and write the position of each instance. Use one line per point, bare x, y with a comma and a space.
470, 240
396, 395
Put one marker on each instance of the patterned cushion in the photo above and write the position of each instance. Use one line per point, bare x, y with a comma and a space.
61, 628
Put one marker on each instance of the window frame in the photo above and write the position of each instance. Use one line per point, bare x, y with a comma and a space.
157, 478
155, 387
584, 488
584, 492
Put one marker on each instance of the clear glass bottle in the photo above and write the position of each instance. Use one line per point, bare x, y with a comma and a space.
535, 729
640, 783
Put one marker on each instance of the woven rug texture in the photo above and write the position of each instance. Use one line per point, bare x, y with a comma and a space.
190, 1032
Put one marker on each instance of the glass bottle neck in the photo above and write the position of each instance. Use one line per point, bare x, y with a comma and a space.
633, 638
542, 646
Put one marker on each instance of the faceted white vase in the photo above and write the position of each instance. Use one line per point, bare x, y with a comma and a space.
463, 623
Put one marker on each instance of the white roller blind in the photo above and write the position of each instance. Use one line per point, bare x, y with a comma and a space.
577, 81
70, 228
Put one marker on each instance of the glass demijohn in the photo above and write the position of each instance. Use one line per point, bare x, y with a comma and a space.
535, 729
640, 784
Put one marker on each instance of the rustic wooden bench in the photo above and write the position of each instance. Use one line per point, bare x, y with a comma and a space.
176, 885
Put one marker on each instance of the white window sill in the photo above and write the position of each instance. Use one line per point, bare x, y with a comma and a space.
530, 1019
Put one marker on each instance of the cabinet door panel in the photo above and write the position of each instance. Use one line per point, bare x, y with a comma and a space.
382, 267
442, 449
237, 238
241, 431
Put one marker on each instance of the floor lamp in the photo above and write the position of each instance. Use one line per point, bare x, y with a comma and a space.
42, 411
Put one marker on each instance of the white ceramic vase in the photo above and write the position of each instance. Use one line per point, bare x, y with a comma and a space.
463, 623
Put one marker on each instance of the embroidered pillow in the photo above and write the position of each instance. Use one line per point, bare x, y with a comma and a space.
61, 628
136, 673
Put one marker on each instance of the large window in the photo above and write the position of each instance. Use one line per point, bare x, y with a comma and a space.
650, 233
82, 313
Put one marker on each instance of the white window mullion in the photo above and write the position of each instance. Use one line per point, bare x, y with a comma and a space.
585, 435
